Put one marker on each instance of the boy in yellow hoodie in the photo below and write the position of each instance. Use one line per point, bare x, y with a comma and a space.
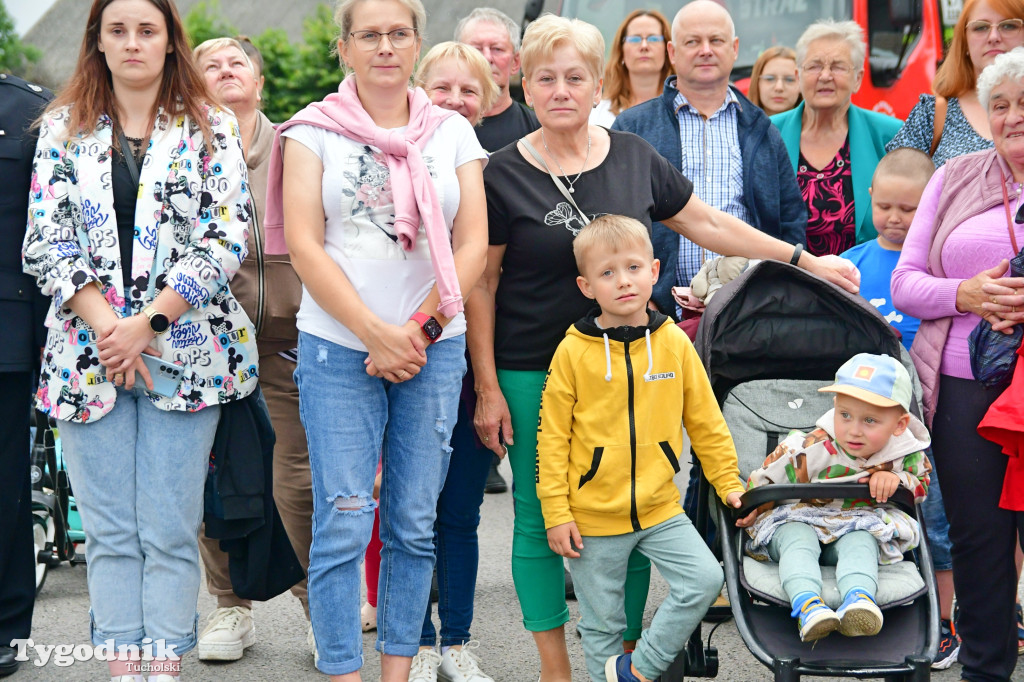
621, 387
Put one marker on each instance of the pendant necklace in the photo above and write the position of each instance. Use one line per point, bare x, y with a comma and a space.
572, 190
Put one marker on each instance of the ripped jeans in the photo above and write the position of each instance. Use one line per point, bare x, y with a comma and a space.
350, 418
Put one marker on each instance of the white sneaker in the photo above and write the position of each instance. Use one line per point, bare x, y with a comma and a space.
368, 616
424, 666
461, 665
311, 644
227, 634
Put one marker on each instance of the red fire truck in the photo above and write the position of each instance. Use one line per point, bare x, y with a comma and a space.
905, 37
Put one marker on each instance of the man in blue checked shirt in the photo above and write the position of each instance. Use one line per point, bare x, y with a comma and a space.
718, 139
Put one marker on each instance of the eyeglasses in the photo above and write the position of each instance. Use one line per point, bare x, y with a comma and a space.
771, 79
1007, 28
400, 38
837, 68
636, 40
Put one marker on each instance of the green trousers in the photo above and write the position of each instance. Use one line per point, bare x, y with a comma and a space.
537, 572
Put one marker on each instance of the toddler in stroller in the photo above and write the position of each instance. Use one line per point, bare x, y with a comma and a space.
868, 437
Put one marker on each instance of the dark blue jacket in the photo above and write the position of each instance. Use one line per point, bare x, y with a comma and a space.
770, 194
22, 306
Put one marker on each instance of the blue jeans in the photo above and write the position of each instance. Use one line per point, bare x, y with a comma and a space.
138, 475
350, 419
694, 580
455, 538
935, 524
796, 548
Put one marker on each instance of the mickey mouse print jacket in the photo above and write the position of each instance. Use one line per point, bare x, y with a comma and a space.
192, 220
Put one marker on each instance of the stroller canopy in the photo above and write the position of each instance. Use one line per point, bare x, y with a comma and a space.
776, 321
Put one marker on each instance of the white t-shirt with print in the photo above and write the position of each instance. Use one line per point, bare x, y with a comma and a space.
360, 236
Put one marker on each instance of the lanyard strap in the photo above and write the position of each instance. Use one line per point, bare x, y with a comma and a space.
133, 168
1006, 205
558, 183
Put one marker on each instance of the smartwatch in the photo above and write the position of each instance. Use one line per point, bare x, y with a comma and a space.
431, 327
158, 322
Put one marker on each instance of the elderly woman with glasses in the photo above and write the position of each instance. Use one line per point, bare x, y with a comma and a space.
382, 207
637, 66
833, 145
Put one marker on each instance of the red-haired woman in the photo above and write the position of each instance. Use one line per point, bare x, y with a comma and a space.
138, 218
638, 64
985, 30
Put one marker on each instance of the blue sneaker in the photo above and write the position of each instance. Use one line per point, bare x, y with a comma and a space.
859, 616
816, 620
616, 669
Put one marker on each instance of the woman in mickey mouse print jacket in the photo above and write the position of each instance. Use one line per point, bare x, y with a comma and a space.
138, 218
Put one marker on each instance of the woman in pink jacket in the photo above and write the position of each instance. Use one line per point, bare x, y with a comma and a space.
951, 274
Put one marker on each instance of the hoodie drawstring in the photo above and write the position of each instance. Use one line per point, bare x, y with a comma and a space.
650, 355
607, 358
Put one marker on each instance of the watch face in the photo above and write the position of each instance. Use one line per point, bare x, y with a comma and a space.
159, 323
432, 328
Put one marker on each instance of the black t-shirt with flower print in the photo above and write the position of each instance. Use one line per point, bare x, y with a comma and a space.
537, 297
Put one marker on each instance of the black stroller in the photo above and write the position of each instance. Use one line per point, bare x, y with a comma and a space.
768, 341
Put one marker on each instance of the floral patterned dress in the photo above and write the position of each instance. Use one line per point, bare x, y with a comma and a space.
828, 193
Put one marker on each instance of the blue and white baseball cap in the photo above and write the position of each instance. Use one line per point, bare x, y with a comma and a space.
876, 379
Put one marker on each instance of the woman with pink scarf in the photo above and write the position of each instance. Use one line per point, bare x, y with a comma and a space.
379, 197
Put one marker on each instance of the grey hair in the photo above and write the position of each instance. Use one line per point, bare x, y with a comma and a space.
491, 16
1008, 66
343, 17
847, 31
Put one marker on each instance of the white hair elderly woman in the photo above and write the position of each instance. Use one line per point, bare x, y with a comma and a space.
528, 296
952, 274
834, 146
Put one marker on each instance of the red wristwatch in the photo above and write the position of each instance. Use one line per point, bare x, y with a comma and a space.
431, 328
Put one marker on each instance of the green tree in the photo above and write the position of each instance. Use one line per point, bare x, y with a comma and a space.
299, 74
15, 56
206, 21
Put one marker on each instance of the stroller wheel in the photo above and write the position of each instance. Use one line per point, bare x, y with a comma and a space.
42, 545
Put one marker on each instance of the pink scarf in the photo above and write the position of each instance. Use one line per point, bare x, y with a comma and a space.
411, 185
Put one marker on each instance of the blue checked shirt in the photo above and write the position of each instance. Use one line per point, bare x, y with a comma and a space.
713, 162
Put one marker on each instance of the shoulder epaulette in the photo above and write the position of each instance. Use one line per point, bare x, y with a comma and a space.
37, 90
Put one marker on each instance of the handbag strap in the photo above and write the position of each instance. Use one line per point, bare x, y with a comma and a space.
940, 122
558, 183
129, 157
1006, 205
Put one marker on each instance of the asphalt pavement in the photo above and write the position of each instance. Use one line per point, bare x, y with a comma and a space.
506, 650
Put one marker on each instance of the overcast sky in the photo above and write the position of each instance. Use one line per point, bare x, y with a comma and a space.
26, 12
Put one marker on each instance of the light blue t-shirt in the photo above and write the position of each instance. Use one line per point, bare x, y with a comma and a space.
876, 265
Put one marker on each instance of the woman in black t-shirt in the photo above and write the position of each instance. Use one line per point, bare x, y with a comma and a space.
528, 296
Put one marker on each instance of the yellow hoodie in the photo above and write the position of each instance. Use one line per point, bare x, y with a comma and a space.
611, 427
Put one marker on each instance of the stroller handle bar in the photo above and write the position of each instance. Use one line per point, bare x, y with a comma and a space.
752, 499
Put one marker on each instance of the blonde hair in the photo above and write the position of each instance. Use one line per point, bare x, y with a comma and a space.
343, 18
550, 32
905, 162
616, 75
474, 62
611, 231
776, 52
955, 77
212, 45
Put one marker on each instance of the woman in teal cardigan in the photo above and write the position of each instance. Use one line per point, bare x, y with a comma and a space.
833, 145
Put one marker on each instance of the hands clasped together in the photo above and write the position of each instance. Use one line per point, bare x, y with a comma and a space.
121, 344
396, 353
994, 297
